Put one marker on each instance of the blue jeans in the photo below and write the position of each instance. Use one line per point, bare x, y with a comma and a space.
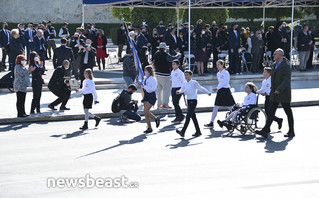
128, 80
132, 115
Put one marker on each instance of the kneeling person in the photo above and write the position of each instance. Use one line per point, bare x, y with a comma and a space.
128, 105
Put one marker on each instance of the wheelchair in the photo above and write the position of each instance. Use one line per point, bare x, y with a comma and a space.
249, 119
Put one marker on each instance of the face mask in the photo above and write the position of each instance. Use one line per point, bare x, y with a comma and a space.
129, 27
203, 32
123, 28
136, 33
251, 35
309, 32
36, 58
23, 62
298, 23
284, 26
288, 30
88, 45
144, 23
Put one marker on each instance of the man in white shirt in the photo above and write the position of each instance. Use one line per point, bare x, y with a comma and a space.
265, 91
178, 79
64, 31
190, 88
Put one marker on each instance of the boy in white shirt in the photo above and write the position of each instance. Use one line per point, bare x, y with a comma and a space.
178, 79
265, 91
190, 88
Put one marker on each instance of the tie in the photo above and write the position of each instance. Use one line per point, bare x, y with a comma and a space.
86, 57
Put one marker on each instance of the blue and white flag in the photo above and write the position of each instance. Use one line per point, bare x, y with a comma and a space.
137, 62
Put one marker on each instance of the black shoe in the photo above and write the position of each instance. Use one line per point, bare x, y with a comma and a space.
97, 121
175, 120
85, 126
262, 133
23, 116
38, 111
157, 121
180, 133
229, 126
280, 123
149, 130
51, 107
220, 123
197, 134
211, 124
32, 112
290, 135
64, 108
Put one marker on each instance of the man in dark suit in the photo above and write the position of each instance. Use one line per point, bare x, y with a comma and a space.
257, 50
280, 93
87, 54
29, 33
142, 40
62, 53
4, 43
233, 45
172, 42
39, 45
121, 40
59, 85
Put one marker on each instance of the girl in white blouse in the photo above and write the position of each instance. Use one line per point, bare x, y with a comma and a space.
149, 98
88, 90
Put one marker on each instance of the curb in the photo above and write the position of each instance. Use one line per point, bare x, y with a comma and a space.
50, 118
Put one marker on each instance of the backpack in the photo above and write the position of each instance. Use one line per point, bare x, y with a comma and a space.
116, 104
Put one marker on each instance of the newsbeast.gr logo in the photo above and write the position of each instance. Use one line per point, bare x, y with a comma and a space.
90, 182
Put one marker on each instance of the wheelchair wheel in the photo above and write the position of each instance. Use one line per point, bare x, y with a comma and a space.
256, 119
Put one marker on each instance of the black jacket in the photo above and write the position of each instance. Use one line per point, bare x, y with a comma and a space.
276, 42
95, 44
62, 53
16, 48
303, 41
126, 102
37, 74
121, 37
129, 67
91, 58
56, 83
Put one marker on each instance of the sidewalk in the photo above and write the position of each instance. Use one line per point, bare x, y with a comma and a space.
300, 97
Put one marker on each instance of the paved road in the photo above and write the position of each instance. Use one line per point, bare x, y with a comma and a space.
163, 164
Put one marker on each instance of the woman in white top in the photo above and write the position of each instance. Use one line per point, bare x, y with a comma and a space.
224, 96
88, 90
149, 98
250, 99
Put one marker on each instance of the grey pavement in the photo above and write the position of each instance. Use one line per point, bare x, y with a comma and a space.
162, 164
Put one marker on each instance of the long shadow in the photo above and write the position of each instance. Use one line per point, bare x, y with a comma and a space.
215, 134
170, 127
117, 122
15, 127
272, 146
182, 143
72, 135
134, 140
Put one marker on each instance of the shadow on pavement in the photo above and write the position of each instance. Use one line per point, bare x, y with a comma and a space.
183, 143
134, 140
18, 126
272, 146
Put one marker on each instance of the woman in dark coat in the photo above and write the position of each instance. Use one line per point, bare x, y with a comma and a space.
200, 52
100, 45
16, 47
37, 80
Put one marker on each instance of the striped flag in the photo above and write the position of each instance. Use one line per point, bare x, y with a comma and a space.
137, 62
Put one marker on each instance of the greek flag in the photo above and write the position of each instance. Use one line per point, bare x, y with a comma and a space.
137, 62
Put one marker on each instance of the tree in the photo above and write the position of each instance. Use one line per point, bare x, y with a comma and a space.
153, 16
121, 13
312, 10
220, 15
282, 13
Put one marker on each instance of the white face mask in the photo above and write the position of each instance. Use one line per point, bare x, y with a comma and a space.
88, 45
36, 58
251, 34
203, 32
23, 62
144, 23
129, 27
309, 32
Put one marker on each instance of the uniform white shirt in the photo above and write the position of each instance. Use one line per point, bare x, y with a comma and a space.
265, 86
150, 84
178, 78
190, 89
61, 34
223, 79
88, 88
250, 99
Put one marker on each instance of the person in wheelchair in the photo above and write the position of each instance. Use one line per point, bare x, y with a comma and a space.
241, 109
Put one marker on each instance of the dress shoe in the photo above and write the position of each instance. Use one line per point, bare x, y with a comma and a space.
157, 121
180, 133
64, 108
149, 130
290, 135
97, 121
220, 123
262, 133
280, 123
197, 134
51, 107
32, 112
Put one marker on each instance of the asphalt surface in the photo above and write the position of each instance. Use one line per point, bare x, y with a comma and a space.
161, 163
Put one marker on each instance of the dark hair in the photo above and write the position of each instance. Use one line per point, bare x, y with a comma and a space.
150, 70
132, 86
63, 40
89, 72
252, 86
222, 63
188, 72
176, 62
31, 59
268, 69
19, 59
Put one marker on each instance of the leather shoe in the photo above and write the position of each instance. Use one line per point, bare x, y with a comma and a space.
197, 134
64, 108
262, 133
289, 135
280, 123
180, 133
51, 107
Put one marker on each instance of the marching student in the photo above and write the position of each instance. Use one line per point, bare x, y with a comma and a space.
190, 88
88, 90
265, 91
178, 80
149, 98
224, 96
